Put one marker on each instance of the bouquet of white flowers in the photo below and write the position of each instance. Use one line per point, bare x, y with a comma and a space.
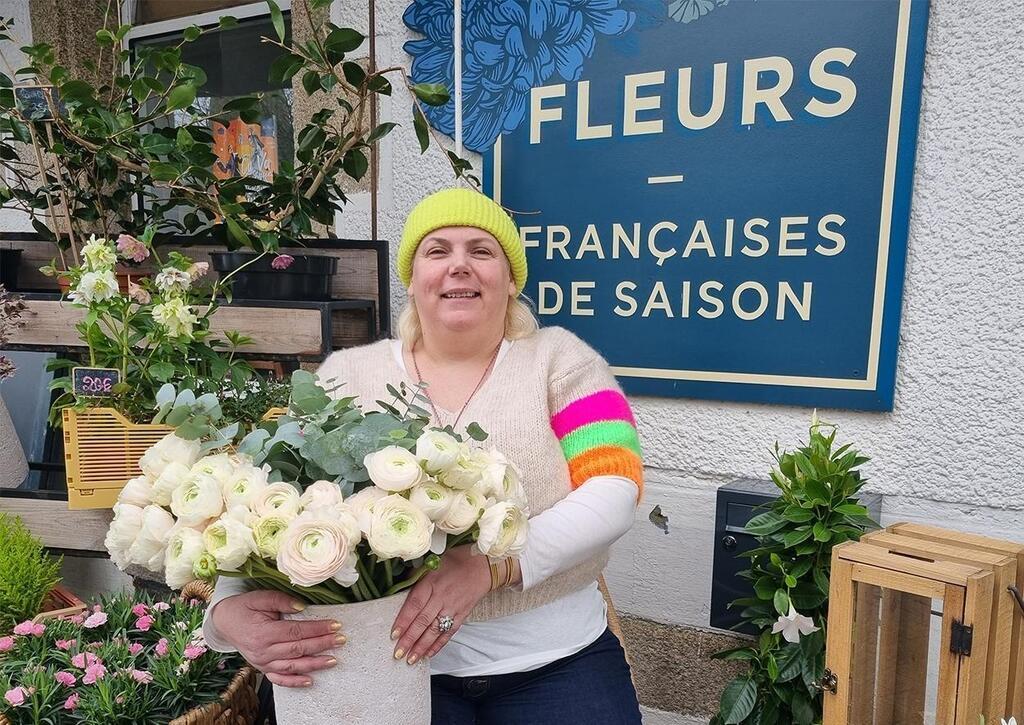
326, 502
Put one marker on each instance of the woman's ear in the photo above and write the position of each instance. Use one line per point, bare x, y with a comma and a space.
512, 289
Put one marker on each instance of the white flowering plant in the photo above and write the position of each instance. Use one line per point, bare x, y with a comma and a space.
128, 660
153, 328
326, 502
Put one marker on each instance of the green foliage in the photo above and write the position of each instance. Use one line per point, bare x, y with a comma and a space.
27, 573
817, 509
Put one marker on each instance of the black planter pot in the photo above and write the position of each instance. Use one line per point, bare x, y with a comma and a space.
307, 278
10, 259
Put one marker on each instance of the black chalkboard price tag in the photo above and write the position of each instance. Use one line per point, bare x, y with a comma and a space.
94, 382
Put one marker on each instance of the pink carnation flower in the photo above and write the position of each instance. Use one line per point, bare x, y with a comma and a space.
144, 623
95, 620
161, 606
140, 609
82, 660
64, 644
97, 607
142, 676
282, 261
131, 248
6, 643
93, 672
28, 627
134, 648
161, 647
194, 651
65, 678
72, 702
16, 696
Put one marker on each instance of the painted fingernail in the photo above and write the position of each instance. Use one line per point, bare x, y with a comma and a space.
307, 683
298, 607
331, 662
341, 639
399, 653
395, 634
335, 626
412, 659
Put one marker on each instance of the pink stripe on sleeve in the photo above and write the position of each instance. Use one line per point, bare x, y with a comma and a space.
599, 406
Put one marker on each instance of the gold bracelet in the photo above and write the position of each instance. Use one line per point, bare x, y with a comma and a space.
509, 571
494, 576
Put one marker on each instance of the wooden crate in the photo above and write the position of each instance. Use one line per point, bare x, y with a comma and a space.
102, 449
877, 654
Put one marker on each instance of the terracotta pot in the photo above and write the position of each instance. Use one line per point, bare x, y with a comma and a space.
368, 686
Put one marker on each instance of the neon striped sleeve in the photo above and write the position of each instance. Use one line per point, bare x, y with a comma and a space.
598, 435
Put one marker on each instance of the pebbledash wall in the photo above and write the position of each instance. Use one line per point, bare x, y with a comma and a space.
948, 452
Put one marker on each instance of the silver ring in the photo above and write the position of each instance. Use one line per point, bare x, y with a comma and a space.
445, 623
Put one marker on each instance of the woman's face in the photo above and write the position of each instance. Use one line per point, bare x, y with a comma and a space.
461, 280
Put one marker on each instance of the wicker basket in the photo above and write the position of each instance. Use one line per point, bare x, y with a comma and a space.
238, 703
102, 449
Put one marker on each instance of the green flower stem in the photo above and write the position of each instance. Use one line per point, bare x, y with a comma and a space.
366, 578
406, 583
389, 579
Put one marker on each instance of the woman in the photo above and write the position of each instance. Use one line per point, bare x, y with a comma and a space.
527, 642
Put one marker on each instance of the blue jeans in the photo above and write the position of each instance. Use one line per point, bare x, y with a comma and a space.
592, 686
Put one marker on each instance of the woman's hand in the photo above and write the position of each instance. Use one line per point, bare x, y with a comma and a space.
453, 590
286, 651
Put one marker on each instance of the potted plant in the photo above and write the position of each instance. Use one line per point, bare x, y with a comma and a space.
128, 660
103, 143
29, 577
340, 508
817, 509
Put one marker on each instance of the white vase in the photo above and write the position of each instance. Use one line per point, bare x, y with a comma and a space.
368, 686
13, 466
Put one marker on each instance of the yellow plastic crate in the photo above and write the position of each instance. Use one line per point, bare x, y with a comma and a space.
102, 449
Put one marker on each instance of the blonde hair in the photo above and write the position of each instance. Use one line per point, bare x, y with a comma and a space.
520, 321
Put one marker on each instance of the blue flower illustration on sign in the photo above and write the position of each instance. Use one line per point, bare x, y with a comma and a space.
509, 47
686, 11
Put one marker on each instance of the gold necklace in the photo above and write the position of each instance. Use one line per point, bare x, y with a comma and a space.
430, 401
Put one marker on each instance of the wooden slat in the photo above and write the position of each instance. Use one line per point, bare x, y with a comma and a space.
57, 527
948, 573
977, 614
280, 331
865, 654
912, 659
949, 663
888, 579
839, 645
1001, 625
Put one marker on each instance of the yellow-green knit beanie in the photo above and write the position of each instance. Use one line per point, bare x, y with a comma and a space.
461, 207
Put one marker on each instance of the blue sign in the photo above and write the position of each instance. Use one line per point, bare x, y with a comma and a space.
715, 195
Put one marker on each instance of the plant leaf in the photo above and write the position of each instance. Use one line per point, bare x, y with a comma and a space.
380, 132
419, 122
433, 94
738, 700
181, 97
277, 19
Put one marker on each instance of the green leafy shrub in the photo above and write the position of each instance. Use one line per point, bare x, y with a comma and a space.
817, 509
27, 573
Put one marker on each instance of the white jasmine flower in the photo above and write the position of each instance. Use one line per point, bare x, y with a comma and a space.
466, 509
315, 549
172, 279
793, 625
99, 254
176, 317
197, 499
148, 548
393, 468
437, 451
398, 529
168, 449
503, 529
277, 498
95, 287
230, 541
184, 546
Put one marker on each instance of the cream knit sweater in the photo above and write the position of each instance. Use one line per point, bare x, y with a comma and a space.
552, 406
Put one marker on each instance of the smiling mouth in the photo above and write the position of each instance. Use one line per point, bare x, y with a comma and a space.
460, 295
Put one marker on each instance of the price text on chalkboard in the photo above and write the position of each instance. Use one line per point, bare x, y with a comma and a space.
94, 382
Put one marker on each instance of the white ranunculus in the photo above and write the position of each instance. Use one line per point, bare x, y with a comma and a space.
277, 498
467, 471
466, 509
502, 481
138, 492
361, 505
95, 287
184, 547
313, 550
173, 475
197, 498
432, 498
320, 494
398, 529
230, 541
219, 465
267, 532
503, 529
99, 254
437, 451
244, 483
393, 469
148, 548
168, 449
123, 531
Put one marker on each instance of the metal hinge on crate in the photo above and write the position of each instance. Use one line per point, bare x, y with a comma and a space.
961, 640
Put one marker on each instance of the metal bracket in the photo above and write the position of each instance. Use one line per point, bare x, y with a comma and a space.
828, 682
962, 638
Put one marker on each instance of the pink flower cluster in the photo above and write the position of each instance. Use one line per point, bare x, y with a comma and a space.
144, 622
194, 651
17, 695
282, 261
6, 643
72, 702
97, 619
131, 248
28, 627
65, 678
161, 647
